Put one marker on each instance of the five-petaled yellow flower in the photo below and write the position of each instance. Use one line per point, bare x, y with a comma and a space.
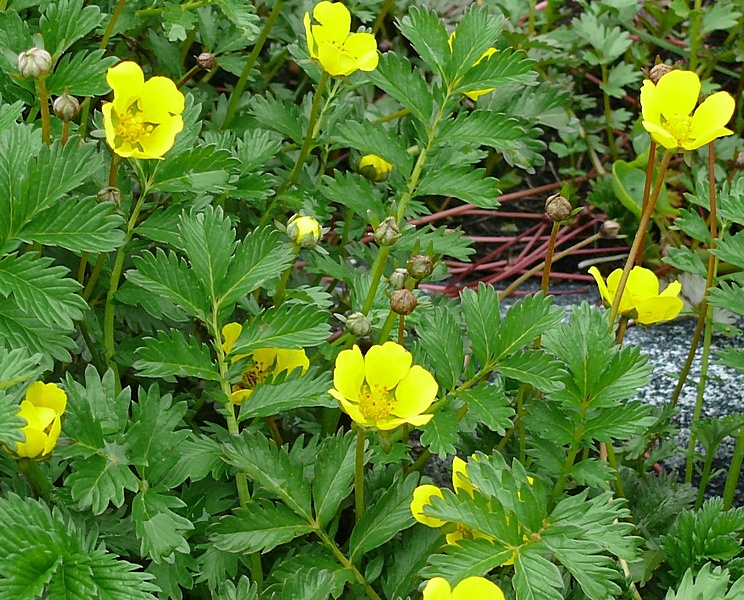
382, 389
641, 299
266, 361
145, 116
331, 42
472, 588
42, 408
667, 106
475, 94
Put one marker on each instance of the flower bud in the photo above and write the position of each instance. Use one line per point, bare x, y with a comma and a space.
387, 232
398, 279
420, 266
35, 63
206, 61
304, 231
610, 229
358, 325
558, 208
66, 107
658, 71
374, 168
110, 194
739, 162
403, 302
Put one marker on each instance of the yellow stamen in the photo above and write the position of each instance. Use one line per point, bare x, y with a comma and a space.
375, 403
679, 127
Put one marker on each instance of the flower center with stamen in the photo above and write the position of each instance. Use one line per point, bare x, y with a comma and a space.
375, 402
252, 376
679, 127
131, 127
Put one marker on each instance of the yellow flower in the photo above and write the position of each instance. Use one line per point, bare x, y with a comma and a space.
266, 361
42, 409
339, 51
382, 389
304, 231
474, 94
667, 106
641, 299
374, 168
472, 588
145, 116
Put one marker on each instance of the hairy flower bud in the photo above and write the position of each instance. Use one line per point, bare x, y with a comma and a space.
658, 71
110, 194
206, 61
420, 266
387, 232
403, 302
374, 168
739, 162
610, 229
558, 208
398, 279
34, 63
66, 107
304, 231
358, 325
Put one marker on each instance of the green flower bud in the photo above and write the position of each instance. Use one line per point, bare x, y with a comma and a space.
398, 279
66, 107
304, 231
358, 325
387, 232
35, 63
374, 168
558, 208
420, 266
403, 302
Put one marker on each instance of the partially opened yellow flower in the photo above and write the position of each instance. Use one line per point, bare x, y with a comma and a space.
42, 408
331, 42
382, 389
266, 361
374, 168
667, 106
472, 588
145, 116
474, 94
641, 299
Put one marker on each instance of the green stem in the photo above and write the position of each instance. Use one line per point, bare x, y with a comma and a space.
282, 287
640, 235
359, 473
695, 40
531, 20
387, 327
194, 4
401, 330
346, 563
700, 393
647, 191
237, 92
37, 481
46, 119
94, 275
378, 267
545, 283
608, 115
561, 483
612, 459
381, 17
704, 478
732, 478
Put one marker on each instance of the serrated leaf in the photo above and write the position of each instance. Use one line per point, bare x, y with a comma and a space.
441, 339
686, 260
465, 559
64, 22
333, 475
535, 367
440, 434
427, 34
406, 558
160, 530
242, 16
536, 578
728, 296
390, 514
101, 479
279, 115
692, 224
482, 127
81, 74
477, 31
198, 456
719, 17
528, 319
200, 169
732, 357
10, 424
10, 114
82, 226
299, 391
357, 193
498, 70
482, 318
168, 355
308, 585
465, 183
17, 366
731, 249
375, 139
491, 405
258, 528
21, 330
245, 590
395, 76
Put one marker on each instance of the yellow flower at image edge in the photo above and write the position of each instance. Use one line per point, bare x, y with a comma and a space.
331, 42
382, 389
472, 588
145, 116
266, 361
42, 408
667, 106
641, 299
374, 167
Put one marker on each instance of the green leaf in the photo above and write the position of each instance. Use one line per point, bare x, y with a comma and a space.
21, 330
482, 127
405, 558
395, 76
464, 182
308, 585
243, 17
10, 424
82, 226
728, 296
9, 114
535, 367
285, 326
608, 42
198, 456
593, 572
500, 69
65, 22
160, 530
390, 514
692, 224
731, 249
708, 583
170, 277
273, 469
333, 476
297, 391
482, 318
491, 405
375, 139
81, 74
528, 319
720, 16
17, 366
441, 339
277, 114
199, 169
166, 355
258, 527
467, 558
357, 193
259, 257
535, 577
477, 31
732, 357
427, 34
686, 260
440, 434
245, 590
619, 79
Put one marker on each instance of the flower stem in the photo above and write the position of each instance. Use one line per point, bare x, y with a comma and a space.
359, 474
378, 267
237, 92
640, 236
700, 393
694, 35
734, 471
46, 120
387, 327
646, 192
282, 287
346, 563
381, 17
608, 115
545, 284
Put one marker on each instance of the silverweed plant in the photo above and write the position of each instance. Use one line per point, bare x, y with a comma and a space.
225, 369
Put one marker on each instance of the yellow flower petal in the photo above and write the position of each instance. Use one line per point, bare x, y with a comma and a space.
386, 365
460, 479
661, 135
348, 375
604, 292
677, 93
673, 289
659, 308
650, 107
713, 114
422, 496
160, 99
230, 334
312, 46
289, 360
642, 283
34, 444
336, 61
240, 396
335, 19
438, 589
363, 47
53, 435
48, 395
415, 393
162, 138
127, 80
477, 587
627, 302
